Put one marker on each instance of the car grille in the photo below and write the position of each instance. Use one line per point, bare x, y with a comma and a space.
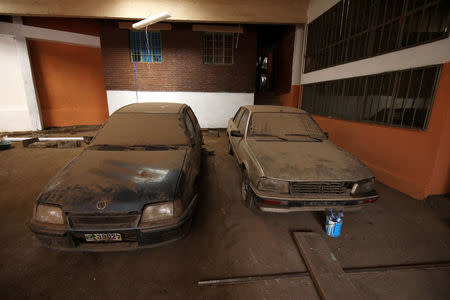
318, 187
104, 221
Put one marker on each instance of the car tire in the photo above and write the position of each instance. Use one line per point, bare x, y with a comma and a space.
247, 195
230, 148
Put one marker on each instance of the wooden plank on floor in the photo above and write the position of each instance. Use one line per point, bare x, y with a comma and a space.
329, 278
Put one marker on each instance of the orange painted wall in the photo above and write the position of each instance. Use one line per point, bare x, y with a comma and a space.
293, 97
414, 162
69, 82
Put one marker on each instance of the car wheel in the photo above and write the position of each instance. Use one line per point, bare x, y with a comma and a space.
230, 148
248, 198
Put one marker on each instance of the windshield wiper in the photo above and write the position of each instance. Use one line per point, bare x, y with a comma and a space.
271, 135
107, 147
155, 147
306, 135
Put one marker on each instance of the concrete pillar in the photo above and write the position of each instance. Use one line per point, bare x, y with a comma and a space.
28, 82
297, 60
293, 98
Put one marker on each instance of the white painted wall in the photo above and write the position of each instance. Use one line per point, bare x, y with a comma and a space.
212, 109
19, 104
297, 58
14, 114
424, 55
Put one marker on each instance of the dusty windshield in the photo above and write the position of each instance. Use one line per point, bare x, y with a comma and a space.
284, 126
142, 129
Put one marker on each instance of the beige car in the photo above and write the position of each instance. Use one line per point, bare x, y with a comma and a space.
288, 164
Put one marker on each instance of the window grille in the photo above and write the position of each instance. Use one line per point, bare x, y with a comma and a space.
140, 51
402, 98
357, 29
218, 48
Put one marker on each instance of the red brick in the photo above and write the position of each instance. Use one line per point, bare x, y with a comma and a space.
181, 68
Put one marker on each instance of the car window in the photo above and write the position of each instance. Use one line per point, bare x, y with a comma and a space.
130, 129
283, 124
190, 127
238, 116
193, 118
196, 124
243, 122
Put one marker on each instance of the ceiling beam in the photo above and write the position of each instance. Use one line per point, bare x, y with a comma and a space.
157, 26
203, 11
217, 28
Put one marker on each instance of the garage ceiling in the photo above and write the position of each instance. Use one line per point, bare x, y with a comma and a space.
212, 11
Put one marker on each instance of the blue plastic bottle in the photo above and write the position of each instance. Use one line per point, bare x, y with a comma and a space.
333, 223
338, 223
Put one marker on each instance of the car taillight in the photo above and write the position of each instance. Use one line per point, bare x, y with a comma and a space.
370, 200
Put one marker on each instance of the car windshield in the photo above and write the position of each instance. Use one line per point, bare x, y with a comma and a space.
284, 126
142, 129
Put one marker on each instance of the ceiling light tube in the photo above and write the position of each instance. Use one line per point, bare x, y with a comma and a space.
152, 20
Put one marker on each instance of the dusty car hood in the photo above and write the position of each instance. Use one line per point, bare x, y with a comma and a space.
315, 161
125, 180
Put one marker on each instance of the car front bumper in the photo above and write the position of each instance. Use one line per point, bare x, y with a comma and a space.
132, 238
285, 203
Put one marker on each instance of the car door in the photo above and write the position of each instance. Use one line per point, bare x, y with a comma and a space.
241, 127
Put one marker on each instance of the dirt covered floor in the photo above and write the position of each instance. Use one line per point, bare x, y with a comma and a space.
226, 240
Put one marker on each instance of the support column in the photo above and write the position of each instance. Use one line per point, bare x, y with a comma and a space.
293, 98
28, 82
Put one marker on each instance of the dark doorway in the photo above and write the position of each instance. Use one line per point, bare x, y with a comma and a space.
273, 62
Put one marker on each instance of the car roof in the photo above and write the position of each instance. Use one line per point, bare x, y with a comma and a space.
152, 108
272, 108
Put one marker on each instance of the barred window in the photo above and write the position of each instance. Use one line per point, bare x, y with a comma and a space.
218, 48
402, 98
358, 29
145, 48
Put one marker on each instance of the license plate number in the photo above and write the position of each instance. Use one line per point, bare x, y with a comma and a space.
102, 237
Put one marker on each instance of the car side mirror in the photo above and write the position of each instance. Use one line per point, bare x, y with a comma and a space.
326, 134
236, 133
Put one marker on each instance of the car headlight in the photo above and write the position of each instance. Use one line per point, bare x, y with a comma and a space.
157, 212
363, 186
273, 185
49, 214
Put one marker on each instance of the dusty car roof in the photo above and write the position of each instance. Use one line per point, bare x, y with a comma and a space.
152, 108
272, 108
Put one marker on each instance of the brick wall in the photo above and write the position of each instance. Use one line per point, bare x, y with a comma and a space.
181, 68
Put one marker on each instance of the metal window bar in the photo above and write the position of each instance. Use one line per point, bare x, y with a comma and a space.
430, 101
372, 28
417, 96
389, 98
139, 52
218, 48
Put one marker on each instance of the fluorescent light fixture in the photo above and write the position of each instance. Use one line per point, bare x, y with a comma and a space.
152, 20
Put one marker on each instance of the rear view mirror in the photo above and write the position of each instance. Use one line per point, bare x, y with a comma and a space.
236, 133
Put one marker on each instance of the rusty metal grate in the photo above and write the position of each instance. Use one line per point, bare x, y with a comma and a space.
317, 187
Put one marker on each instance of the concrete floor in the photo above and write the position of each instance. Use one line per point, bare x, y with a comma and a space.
226, 240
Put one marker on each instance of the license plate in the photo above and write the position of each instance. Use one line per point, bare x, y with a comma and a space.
102, 237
